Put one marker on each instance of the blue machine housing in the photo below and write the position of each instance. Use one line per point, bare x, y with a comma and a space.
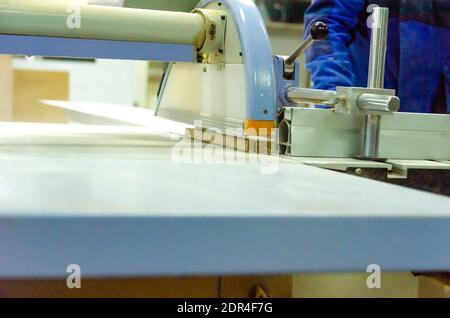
284, 83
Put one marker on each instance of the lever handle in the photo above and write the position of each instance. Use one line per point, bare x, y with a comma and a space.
318, 31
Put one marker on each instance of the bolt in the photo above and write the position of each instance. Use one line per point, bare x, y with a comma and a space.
358, 171
258, 292
212, 31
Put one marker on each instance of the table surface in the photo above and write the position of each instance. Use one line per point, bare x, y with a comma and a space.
137, 211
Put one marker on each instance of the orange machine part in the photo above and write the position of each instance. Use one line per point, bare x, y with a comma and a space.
259, 127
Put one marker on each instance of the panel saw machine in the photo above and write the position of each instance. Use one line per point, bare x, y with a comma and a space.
222, 72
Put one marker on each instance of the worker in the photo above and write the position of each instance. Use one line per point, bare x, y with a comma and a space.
418, 50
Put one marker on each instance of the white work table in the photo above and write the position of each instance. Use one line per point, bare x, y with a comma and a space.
121, 211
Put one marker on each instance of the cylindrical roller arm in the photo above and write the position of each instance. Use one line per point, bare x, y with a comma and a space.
312, 96
53, 18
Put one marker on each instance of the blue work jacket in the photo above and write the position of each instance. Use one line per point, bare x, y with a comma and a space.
418, 53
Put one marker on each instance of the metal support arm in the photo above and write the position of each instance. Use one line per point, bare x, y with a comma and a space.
347, 100
53, 18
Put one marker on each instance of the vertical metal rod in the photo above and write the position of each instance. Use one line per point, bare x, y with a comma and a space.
377, 64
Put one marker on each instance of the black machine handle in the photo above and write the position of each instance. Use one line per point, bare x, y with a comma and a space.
317, 32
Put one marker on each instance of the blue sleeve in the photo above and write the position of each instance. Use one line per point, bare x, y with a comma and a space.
329, 61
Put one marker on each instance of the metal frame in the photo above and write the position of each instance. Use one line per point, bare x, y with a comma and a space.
323, 133
87, 48
254, 40
257, 55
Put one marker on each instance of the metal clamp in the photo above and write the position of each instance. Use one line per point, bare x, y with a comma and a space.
361, 101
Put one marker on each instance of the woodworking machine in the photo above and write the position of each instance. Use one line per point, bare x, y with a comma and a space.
119, 212
222, 72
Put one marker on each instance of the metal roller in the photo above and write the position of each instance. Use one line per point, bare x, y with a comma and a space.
52, 18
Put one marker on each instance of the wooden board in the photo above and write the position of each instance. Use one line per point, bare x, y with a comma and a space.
185, 287
309, 285
248, 144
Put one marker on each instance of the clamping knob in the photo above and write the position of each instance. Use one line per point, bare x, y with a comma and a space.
318, 31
